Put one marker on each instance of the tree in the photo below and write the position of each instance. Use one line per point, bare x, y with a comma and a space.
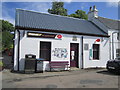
58, 9
6, 35
7, 26
79, 14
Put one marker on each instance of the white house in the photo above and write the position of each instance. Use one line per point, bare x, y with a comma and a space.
109, 26
59, 38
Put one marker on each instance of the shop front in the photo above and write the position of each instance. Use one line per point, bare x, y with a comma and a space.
79, 45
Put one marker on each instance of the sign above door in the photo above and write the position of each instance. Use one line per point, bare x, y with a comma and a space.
43, 35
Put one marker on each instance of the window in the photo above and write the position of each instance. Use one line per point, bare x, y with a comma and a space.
96, 50
118, 36
117, 52
45, 50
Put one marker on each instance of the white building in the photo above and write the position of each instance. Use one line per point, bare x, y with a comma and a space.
59, 38
109, 26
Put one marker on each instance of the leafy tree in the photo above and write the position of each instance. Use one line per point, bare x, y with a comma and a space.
79, 14
58, 9
7, 41
5, 35
0, 37
6, 26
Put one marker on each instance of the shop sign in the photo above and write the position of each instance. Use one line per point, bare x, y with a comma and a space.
97, 40
74, 38
43, 35
59, 36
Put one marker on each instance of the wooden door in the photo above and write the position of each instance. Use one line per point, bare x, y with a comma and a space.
74, 52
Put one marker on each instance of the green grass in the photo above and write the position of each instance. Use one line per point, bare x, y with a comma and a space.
1, 64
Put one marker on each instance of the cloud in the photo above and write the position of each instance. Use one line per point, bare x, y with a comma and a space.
38, 6
83, 5
8, 18
6, 15
0, 10
60, 0
112, 4
68, 1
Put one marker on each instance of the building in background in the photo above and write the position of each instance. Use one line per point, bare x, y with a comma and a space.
109, 26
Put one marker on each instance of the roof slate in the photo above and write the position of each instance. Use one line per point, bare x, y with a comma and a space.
30, 19
110, 23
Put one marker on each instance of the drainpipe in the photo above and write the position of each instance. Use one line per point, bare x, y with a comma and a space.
110, 48
113, 44
82, 53
18, 48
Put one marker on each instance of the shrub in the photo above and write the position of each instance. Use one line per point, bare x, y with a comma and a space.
1, 63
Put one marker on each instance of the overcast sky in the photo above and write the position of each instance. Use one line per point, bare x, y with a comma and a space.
106, 9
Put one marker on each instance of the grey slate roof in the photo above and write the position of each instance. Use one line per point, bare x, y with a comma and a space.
30, 19
110, 23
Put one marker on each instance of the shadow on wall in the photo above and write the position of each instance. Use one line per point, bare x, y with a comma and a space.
47, 67
106, 42
22, 64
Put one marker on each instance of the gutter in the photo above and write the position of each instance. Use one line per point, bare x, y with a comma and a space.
60, 31
110, 49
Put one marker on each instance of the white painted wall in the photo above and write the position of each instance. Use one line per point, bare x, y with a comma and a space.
110, 31
31, 45
115, 41
104, 52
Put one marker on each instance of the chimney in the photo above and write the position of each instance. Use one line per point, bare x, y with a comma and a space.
92, 13
90, 9
94, 8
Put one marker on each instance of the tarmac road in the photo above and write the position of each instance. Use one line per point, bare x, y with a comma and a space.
92, 78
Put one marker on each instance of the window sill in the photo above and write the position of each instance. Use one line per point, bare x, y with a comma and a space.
96, 59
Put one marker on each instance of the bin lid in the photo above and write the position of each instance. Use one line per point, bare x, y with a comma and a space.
42, 59
1, 58
30, 54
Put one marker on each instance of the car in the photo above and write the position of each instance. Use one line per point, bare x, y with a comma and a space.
114, 65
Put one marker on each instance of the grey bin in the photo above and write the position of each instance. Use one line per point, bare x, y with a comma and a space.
30, 63
39, 66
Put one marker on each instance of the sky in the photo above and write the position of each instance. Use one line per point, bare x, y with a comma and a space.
105, 9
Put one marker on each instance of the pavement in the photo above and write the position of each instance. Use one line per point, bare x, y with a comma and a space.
75, 78
78, 78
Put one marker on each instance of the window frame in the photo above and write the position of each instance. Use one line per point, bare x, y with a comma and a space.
117, 52
118, 36
98, 52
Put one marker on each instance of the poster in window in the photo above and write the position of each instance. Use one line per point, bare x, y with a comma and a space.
90, 54
72, 54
